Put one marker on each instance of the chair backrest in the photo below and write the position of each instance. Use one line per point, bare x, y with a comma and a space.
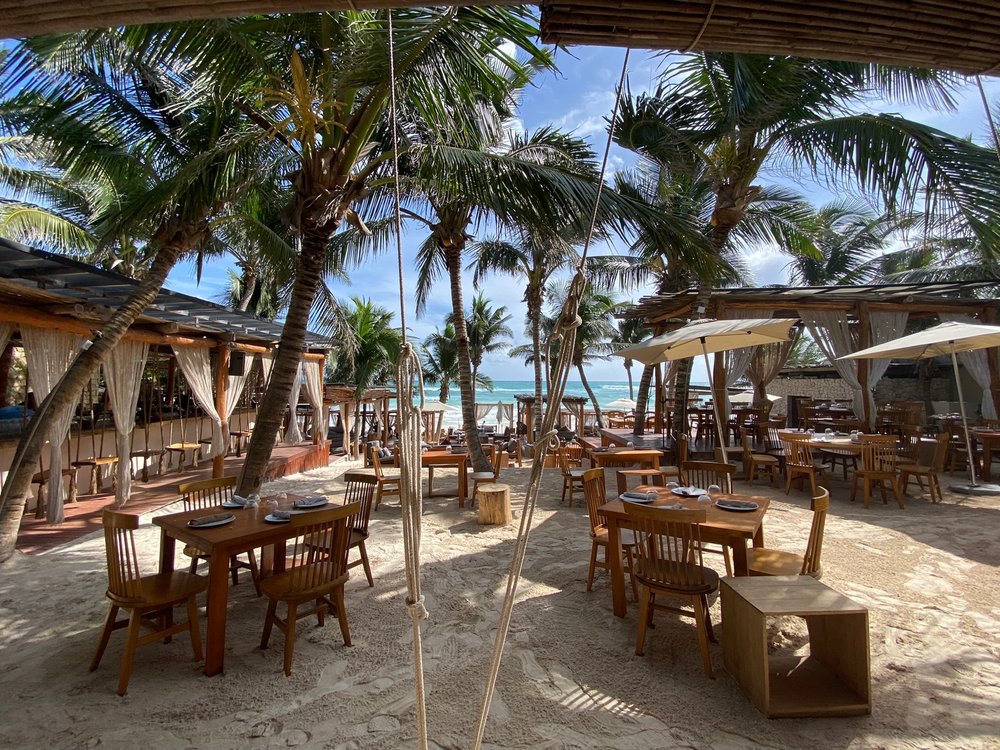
124, 576
772, 440
360, 490
703, 473
206, 493
497, 463
681, 448
878, 452
593, 493
909, 448
563, 457
814, 547
325, 530
941, 451
747, 447
377, 464
668, 544
798, 452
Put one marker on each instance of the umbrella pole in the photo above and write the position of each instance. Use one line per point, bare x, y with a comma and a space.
965, 421
715, 407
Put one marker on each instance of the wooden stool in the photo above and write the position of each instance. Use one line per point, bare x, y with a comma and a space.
95, 464
494, 504
41, 478
180, 449
145, 456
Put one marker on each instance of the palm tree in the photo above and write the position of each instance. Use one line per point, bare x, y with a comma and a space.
61, 91
440, 360
734, 115
630, 331
488, 331
594, 334
325, 108
535, 254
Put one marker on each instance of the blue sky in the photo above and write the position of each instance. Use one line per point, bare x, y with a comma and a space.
578, 99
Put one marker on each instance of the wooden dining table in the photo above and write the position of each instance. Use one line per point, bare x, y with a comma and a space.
248, 531
987, 440
445, 457
730, 528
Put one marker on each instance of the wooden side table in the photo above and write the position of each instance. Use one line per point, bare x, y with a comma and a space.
833, 679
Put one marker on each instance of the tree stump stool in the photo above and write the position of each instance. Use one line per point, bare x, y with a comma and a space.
494, 504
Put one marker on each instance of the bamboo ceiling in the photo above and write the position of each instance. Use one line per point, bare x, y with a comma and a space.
962, 36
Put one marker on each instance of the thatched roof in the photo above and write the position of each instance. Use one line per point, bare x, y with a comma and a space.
963, 36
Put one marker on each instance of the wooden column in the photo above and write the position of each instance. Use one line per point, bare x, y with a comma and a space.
719, 393
345, 421
658, 399
221, 386
990, 318
864, 366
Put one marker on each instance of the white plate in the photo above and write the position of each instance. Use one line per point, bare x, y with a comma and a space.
309, 503
271, 519
689, 491
740, 506
639, 500
229, 518
231, 504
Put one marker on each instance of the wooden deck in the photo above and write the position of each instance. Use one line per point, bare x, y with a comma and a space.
84, 517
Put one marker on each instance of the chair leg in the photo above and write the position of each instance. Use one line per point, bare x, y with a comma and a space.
321, 612
895, 489
194, 565
290, 637
194, 627
345, 631
788, 484
708, 619
272, 606
728, 560
935, 488
565, 485
593, 564
254, 571
854, 488
700, 617
102, 644
378, 495
631, 573
640, 639
234, 569
168, 622
135, 620
365, 565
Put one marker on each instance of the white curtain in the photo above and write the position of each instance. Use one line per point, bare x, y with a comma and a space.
505, 413
483, 411
266, 363
234, 389
885, 326
293, 435
49, 354
314, 392
197, 369
835, 337
123, 367
978, 366
737, 361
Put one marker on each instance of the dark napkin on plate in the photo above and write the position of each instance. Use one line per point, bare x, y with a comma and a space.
309, 502
282, 514
214, 518
635, 495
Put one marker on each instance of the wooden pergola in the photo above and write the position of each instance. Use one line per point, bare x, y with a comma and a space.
960, 36
346, 399
662, 312
526, 411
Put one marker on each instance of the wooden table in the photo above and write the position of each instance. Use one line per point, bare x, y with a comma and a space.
247, 532
988, 439
833, 679
433, 458
646, 458
730, 528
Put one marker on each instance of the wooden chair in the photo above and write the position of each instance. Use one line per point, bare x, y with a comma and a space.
387, 485
593, 493
311, 575
703, 474
571, 476
485, 477
772, 440
878, 465
931, 472
753, 461
799, 462
669, 563
772, 562
149, 600
361, 490
211, 493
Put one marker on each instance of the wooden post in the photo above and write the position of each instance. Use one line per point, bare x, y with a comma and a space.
658, 400
529, 420
494, 504
864, 366
990, 318
345, 421
719, 393
221, 386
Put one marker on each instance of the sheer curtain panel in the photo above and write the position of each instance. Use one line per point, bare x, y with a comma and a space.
197, 369
123, 368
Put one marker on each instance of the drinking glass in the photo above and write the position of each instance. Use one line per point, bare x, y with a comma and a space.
672, 485
652, 496
704, 499
713, 490
253, 502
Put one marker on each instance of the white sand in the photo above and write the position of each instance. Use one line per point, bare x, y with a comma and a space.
570, 677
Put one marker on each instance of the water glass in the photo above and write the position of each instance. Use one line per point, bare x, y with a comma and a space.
672, 485
713, 490
704, 499
652, 496
253, 502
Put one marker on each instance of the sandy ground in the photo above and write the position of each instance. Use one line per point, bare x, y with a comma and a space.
929, 575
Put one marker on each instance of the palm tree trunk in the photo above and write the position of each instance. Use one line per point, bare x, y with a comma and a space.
63, 398
453, 261
642, 400
682, 385
593, 398
286, 361
249, 289
533, 296
628, 371
445, 390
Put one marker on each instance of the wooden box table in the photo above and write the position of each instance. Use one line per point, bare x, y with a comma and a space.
721, 527
247, 532
834, 679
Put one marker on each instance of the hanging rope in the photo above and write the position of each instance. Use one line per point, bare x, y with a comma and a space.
409, 424
565, 335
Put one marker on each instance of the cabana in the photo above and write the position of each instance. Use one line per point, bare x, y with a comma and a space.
183, 363
841, 319
575, 405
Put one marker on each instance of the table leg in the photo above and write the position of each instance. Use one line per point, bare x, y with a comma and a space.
987, 473
616, 571
218, 594
741, 566
166, 552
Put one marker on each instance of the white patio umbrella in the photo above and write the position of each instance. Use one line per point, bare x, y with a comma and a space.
942, 340
746, 397
622, 403
709, 336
